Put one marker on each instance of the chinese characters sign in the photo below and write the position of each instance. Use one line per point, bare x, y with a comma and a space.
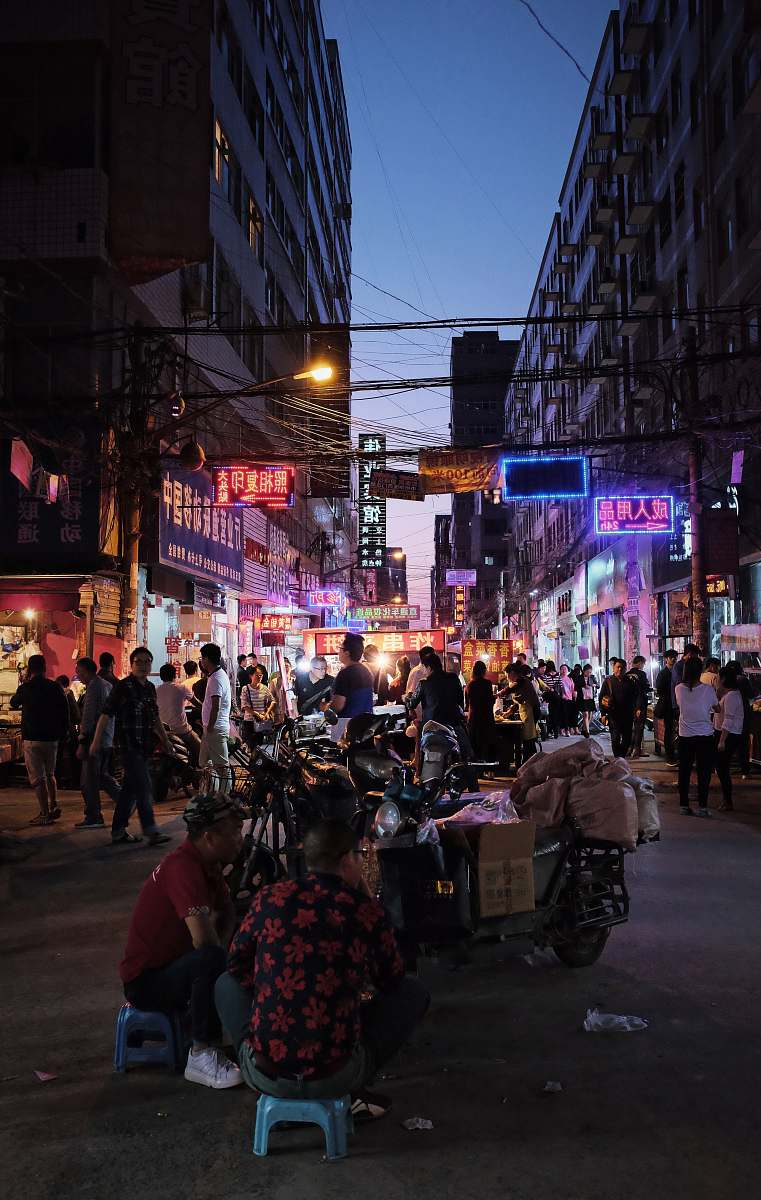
397, 485
465, 578
274, 622
460, 604
404, 641
326, 598
385, 612
253, 487
634, 514
496, 654
371, 547
194, 535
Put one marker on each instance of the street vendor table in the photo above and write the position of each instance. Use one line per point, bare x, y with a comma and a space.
509, 738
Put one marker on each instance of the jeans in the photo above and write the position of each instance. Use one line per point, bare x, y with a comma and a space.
638, 732
186, 981
699, 750
724, 762
214, 753
96, 775
136, 792
387, 1021
620, 728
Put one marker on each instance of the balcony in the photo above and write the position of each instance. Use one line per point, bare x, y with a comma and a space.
550, 295
568, 248
562, 268
623, 82
624, 163
645, 295
597, 308
570, 308
553, 345
597, 238
595, 170
643, 393
629, 327
605, 212
636, 38
604, 141
610, 357
608, 286
641, 212
639, 126
627, 244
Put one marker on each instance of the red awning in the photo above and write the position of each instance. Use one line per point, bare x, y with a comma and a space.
47, 595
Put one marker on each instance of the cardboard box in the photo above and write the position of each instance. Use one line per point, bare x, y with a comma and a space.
505, 866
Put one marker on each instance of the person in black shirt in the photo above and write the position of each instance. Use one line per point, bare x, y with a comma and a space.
618, 700
374, 663
664, 709
44, 723
479, 696
241, 679
311, 689
442, 700
106, 662
641, 687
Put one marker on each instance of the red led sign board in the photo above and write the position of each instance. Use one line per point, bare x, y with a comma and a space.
271, 486
402, 641
274, 622
496, 654
634, 514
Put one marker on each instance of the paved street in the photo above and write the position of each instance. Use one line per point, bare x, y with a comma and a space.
671, 1111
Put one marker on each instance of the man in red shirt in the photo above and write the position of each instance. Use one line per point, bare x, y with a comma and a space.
182, 923
296, 969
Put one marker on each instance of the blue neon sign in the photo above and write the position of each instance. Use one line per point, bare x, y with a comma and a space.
545, 477
634, 514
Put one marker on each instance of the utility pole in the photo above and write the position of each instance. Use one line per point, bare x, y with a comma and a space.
131, 499
501, 605
699, 600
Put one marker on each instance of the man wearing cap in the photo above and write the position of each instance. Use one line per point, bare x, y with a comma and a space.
180, 929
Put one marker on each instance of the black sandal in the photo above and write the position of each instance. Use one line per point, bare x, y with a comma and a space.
42, 819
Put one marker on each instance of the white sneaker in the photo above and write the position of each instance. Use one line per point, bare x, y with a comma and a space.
213, 1069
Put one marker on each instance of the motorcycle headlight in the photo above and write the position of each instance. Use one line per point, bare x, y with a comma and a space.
388, 818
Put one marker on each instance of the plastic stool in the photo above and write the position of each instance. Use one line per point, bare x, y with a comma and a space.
149, 1025
333, 1116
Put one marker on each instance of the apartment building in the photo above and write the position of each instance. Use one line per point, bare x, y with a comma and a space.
441, 594
658, 221
481, 363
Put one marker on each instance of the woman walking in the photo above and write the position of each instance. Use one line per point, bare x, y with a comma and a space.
585, 696
255, 700
728, 724
696, 702
568, 699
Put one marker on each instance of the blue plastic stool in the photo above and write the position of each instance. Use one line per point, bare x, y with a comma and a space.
150, 1025
333, 1116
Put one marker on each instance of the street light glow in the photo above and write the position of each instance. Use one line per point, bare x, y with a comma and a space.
321, 373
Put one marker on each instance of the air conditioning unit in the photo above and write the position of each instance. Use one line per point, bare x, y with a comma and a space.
196, 294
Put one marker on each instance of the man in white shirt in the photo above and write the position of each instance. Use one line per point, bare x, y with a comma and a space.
172, 698
215, 718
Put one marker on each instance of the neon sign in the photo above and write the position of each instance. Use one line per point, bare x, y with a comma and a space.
634, 514
271, 486
326, 598
545, 477
274, 622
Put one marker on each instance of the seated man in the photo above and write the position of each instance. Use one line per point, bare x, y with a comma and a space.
181, 926
296, 969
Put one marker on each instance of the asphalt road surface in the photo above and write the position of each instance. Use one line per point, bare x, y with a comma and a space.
668, 1112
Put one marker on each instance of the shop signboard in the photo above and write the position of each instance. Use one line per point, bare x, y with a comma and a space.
580, 590
445, 471
270, 486
385, 612
718, 585
330, 597
396, 485
741, 639
274, 622
607, 586
212, 598
460, 605
545, 477
371, 544
634, 514
194, 536
465, 578
496, 654
402, 641
680, 616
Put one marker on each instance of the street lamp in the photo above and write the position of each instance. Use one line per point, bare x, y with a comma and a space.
397, 554
321, 373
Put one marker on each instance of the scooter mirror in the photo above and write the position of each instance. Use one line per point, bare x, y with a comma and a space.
331, 716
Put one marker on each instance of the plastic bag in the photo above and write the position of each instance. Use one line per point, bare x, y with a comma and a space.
597, 1022
496, 808
648, 816
605, 809
545, 802
427, 834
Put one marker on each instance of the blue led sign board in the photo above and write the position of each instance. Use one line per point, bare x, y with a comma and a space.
634, 514
545, 477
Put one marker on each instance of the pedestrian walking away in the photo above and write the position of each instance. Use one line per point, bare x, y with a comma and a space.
641, 686
586, 697
729, 722
44, 724
213, 755
664, 714
479, 702
96, 773
697, 703
182, 923
132, 702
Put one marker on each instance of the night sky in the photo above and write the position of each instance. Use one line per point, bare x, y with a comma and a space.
462, 117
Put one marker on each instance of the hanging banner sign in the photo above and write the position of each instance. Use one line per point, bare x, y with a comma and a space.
444, 471
545, 477
194, 535
272, 486
634, 514
496, 654
402, 641
460, 604
274, 622
371, 543
463, 578
396, 485
385, 612
326, 598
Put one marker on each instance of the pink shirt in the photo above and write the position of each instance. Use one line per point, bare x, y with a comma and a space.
567, 687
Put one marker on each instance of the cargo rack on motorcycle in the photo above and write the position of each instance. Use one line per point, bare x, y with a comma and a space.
597, 886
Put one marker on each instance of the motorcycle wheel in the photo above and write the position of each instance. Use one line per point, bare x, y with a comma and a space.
583, 949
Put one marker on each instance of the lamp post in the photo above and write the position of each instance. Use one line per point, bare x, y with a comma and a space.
132, 500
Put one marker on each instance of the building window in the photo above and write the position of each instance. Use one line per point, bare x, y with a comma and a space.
226, 168
720, 112
679, 191
488, 560
662, 126
254, 110
659, 29
676, 92
696, 102
698, 209
746, 67
682, 290
725, 232
664, 217
252, 348
254, 226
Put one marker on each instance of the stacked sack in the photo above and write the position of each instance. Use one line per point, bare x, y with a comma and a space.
598, 794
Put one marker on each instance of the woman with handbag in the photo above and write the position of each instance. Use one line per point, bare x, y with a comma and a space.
256, 701
586, 697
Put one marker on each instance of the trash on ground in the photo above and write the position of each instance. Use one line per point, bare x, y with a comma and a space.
413, 1123
45, 1076
552, 1085
597, 1022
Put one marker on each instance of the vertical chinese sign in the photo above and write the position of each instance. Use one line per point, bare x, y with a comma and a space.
160, 134
371, 548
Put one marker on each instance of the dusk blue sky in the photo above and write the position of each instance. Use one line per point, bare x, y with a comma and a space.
462, 117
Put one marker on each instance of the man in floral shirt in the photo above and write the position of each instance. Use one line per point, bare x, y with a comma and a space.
296, 968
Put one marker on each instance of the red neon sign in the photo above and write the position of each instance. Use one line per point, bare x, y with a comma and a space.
271, 486
274, 622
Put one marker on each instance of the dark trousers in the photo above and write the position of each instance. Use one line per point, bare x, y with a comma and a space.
701, 751
528, 748
136, 792
387, 1022
620, 728
732, 745
188, 981
668, 733
638, 732
96, 774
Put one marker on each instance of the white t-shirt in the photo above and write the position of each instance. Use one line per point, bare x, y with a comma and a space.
695, 709
731, 714
416, 674
172, 698
217, 685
